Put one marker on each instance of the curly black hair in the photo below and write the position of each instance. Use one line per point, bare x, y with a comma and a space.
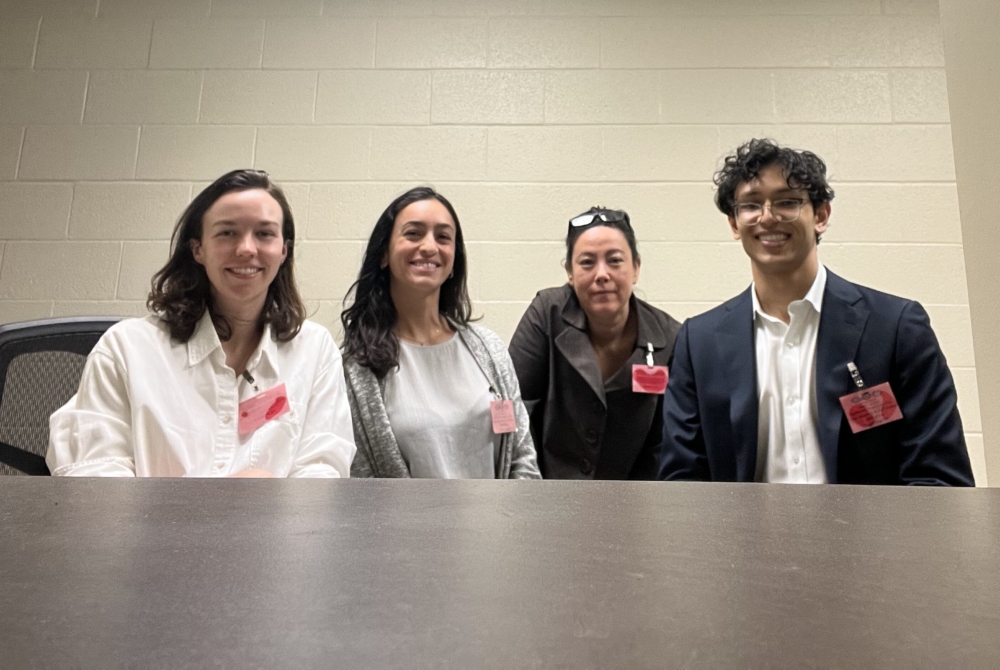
802, 169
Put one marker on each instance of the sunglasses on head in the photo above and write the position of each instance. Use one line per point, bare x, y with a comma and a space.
595, 213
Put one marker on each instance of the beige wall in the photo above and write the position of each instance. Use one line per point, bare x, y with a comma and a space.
523, 112
971, 29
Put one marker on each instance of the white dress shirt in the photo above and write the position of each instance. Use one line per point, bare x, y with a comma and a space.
150, 406
787, 442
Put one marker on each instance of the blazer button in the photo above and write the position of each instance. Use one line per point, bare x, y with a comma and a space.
586, 467
591, 436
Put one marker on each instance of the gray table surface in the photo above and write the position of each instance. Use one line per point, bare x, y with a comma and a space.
432, 574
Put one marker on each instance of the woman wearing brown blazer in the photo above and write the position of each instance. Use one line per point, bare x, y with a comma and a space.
580, 351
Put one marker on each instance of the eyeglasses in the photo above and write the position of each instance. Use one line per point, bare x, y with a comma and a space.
783, 211
605, 215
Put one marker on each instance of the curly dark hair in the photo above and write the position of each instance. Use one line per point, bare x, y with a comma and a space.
802, 170
181, 291
368, 322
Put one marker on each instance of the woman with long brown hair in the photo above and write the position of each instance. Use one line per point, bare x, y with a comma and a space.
432, 394
226, 377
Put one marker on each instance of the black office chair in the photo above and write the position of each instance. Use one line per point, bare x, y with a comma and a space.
40, 367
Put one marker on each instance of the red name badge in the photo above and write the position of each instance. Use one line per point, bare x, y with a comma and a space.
258, 410
503, 416
869, 408
649, 379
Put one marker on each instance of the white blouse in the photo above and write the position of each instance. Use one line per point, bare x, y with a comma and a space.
438, 404
150, 406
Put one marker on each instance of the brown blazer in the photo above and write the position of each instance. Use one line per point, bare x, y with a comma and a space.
583, 427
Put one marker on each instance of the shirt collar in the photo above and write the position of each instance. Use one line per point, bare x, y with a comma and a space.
814, 296
205, 342
267, 351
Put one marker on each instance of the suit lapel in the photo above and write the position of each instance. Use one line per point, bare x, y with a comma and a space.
739, 358
574, 345
841, 323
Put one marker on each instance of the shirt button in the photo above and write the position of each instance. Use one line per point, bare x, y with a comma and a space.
790, 344
796, 460
591, 436
791, 400
586, 467
227, 419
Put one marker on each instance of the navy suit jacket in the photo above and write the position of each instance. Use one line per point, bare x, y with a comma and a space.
710, 408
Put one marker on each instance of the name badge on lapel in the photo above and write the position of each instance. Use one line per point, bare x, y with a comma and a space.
256, 411
869, 407
649, 378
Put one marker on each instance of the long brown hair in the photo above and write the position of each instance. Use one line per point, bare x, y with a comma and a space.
368, 321
181, 291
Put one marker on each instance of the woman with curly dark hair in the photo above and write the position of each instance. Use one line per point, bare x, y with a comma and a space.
432, 395
226, 377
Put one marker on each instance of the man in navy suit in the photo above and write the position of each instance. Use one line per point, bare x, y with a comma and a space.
805, 377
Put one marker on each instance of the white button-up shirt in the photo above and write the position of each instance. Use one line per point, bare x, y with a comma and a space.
150, 406
787, 442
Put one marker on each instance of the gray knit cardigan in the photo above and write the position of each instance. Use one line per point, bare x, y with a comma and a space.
378, 453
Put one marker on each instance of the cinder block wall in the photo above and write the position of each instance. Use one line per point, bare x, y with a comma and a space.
523, 112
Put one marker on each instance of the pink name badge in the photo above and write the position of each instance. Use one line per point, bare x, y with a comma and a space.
503, 416
869, 408
649, 379
261, 408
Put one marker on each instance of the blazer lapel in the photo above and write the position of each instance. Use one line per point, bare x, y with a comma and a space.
841, 323
648, 330
574, 345
736, 348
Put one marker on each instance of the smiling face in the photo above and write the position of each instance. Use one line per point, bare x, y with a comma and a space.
241, 249
774, 247
602, 272
421, 247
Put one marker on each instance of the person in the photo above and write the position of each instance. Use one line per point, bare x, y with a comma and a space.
576, 350
805, 377
432, 394
226, 377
